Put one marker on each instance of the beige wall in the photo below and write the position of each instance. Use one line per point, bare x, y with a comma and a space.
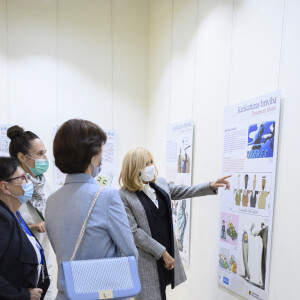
135, 65
205, 55
75, 59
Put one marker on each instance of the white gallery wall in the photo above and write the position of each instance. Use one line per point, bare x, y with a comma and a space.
207, 54
62, 59
75, 59
136, 65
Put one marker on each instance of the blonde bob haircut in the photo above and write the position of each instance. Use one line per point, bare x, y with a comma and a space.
134, 161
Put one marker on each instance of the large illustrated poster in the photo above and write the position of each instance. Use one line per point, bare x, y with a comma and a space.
4, 140
250, 154
108, 171
179, 171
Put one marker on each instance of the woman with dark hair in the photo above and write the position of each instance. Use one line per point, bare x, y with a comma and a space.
77, 151
23, 272
30, 151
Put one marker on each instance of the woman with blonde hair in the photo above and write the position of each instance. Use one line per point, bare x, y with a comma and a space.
147, 201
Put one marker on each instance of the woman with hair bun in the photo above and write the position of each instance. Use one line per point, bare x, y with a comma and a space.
30, 151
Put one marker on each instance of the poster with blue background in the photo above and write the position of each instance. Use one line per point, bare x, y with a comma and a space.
261, 140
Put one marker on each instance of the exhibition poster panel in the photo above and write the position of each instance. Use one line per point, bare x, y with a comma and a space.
4, 140
249, 154
179, 172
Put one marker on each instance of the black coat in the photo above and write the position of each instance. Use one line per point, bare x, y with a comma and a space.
18, 261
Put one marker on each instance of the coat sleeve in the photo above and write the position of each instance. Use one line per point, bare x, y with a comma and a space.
118, 226
179, 192
7, 290
143, 240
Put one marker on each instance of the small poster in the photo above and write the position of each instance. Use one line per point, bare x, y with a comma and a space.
179, 171
4, 140
107, 175
250, 155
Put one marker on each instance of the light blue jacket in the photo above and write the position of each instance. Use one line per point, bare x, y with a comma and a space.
106, 230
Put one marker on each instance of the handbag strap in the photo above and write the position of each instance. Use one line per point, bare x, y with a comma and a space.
83, 228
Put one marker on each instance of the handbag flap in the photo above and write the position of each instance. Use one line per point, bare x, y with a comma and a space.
106, 278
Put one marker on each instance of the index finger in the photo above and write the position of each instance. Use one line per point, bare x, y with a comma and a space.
228, 176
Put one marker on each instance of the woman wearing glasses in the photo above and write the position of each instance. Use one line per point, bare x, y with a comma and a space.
30, 151
23, 272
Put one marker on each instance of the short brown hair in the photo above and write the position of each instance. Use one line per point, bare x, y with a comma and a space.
134, 161
75, 143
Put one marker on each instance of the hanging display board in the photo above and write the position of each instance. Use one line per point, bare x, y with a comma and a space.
179, 171
250, 154
4, 140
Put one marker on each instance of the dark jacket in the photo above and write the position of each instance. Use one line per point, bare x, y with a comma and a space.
18, 261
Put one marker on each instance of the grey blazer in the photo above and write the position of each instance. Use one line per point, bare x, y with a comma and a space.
107, 227
149, 249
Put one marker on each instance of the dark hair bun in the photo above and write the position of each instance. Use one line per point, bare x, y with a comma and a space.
14, 132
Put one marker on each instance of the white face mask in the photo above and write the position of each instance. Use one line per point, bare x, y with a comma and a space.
148, 173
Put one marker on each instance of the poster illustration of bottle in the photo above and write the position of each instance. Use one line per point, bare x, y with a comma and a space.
250, 155
179, 172
106, 177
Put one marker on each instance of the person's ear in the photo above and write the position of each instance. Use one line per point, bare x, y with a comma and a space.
3, 188
21, 157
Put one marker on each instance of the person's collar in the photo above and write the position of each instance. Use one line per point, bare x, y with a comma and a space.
80, 178
146, 185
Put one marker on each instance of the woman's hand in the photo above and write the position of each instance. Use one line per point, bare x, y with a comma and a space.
169, 260
35, 294
39, 227
221, 182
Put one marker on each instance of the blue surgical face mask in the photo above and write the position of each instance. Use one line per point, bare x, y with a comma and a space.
97, 170
28, 191
40, 167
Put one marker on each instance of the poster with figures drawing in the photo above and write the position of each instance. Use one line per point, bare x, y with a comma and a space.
179, 171
108, 171
4, 140
250, 154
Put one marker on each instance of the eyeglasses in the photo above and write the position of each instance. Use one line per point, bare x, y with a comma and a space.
23, 177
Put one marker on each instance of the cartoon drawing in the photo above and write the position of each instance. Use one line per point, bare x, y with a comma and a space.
105, 179
231, 231
223, 231
245, 192
253, 194
102, 180
258, 137
261, 140
245, 246
184, 161
233, 265
263, 195
238, 192
269, 138
263, 233
223, 261
181, 224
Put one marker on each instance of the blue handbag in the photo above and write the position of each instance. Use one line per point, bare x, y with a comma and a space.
107, 278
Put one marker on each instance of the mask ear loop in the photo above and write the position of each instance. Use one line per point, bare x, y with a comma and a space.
30, 158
